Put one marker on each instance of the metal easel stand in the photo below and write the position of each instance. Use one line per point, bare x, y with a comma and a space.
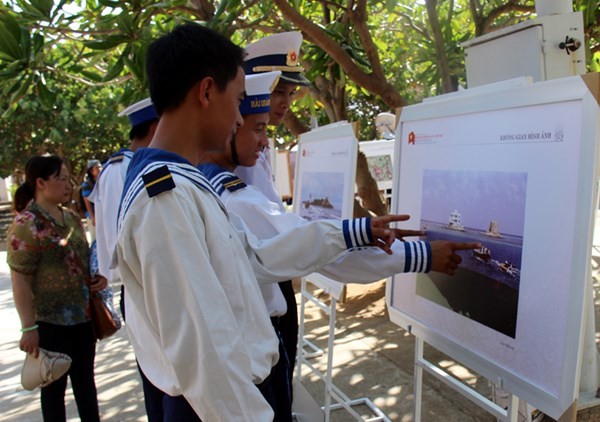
508, 415
342, 401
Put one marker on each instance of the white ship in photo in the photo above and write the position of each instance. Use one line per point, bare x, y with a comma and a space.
454, 222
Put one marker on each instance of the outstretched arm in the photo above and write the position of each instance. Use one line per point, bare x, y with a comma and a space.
306, 248
444, 258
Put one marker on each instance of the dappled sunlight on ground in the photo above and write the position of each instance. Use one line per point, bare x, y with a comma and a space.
373, 358
119, 389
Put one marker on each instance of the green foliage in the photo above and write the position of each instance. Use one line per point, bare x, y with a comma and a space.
67, 66
79, 124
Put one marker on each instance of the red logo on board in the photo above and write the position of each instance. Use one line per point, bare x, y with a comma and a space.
411, 138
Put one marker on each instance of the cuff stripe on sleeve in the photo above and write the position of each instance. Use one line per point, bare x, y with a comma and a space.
422, 255
417, 257
357, 232
428, 256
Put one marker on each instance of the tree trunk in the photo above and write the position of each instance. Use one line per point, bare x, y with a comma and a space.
440, 52
367, 189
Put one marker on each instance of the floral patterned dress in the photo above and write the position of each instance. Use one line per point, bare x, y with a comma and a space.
46, 250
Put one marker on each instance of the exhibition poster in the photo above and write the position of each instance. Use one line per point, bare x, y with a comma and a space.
520, 180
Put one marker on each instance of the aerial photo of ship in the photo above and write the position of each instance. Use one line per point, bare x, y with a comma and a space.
321, 196
488, 208
499, 258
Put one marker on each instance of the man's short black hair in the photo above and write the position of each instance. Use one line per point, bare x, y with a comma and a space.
176, 61
140, 131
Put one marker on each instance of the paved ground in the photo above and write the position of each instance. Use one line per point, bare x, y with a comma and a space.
373, 359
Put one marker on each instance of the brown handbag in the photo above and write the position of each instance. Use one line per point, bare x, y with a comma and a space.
102, 320
103, 323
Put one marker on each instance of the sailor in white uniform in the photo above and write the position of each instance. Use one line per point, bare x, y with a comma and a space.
109, 186
190, 268
106, 197
265, 220
204, 309
277, 52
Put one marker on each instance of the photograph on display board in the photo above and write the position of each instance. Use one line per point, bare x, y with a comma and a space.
321, 196
380, 167
486, 207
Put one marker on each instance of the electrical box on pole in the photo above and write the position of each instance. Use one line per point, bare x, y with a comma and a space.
544, 48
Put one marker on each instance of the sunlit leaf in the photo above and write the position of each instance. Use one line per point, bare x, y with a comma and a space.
45, 95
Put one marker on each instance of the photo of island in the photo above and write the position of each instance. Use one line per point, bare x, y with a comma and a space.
321, 195
477, 206
380, 167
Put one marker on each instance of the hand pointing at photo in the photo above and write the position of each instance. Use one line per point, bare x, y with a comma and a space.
444, 258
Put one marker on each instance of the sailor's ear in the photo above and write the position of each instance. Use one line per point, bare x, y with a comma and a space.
205, 89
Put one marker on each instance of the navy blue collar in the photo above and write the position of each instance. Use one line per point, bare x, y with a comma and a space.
145, 156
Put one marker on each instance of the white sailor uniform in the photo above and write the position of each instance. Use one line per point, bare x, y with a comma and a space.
190, 273
265, 220
106, 197
261, 176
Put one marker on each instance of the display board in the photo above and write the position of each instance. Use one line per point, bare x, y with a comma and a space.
324, 180
283, 175
516, 170
380, 156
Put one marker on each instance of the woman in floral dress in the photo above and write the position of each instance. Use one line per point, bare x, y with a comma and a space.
48, 258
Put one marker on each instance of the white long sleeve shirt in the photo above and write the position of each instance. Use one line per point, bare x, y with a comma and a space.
106, 197
261, 176
265, 220
189, 271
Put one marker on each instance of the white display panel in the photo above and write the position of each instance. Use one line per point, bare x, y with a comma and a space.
283, 178
325, 171
516, 171
324, 181
380, 158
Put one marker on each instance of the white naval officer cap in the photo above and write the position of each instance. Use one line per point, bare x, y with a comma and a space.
258, 92
277, 52
140, 112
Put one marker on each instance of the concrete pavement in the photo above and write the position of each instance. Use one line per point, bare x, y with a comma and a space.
119, 388
374, 359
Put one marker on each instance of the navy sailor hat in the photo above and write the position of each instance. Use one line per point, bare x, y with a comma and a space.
258, 92
277, 52
140, 112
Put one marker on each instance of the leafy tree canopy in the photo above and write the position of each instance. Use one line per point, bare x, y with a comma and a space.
66, 68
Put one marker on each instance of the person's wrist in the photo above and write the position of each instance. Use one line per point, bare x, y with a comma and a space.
30, 328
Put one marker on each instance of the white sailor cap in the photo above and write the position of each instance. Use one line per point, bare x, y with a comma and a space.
140, 112
258, 92
277, 52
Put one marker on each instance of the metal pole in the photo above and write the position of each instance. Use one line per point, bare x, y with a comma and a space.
418, 387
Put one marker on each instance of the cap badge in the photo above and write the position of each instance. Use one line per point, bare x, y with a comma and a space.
292, 58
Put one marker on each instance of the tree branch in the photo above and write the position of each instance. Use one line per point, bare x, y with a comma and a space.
86, 82
511, 6
321, 89
475, 8
412, 24
370, 82
202, 8
294, 125
359, 18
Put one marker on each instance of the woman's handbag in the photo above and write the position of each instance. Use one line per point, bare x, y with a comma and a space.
102, 320
105, 320
101, 303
